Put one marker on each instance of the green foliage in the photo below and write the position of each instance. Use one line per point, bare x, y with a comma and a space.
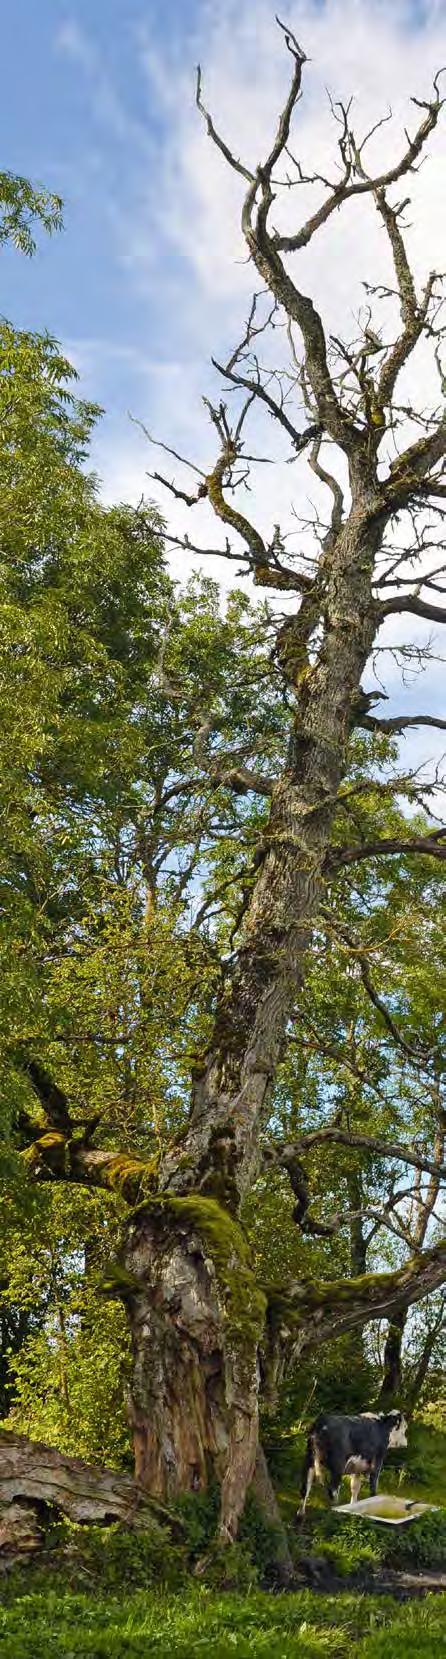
421, 1544
22, 205
199, 1514
425, 1459
229, 1567
67, 1377
69, 1383
433, 1409
359, 1546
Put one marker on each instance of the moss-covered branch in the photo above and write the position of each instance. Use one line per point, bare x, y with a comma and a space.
310, 1312
58, 1157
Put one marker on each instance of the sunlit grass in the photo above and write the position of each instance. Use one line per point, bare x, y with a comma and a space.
302, 1626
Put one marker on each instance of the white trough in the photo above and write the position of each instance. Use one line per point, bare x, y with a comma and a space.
392, 1511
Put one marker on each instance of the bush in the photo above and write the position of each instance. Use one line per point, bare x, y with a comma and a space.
258, 1538
359, 1546
114, 1558
422, 1544
199, 1513
229, 1567
425, 1460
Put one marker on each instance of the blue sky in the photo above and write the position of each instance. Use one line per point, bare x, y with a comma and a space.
76, 114
149, 276
98, 102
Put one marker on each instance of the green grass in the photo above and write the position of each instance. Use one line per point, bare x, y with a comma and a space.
102, 1594
40, 1624
418, 1631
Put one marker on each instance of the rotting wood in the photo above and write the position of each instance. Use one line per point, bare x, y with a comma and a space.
37, 1483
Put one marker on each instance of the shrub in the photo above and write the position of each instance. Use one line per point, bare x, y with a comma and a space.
114, 1558
199, 1514
422, 1544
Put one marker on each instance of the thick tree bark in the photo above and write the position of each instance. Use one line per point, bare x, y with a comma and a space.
392, 1379
21, 1534
231, 1090
219, 1153
196, 1318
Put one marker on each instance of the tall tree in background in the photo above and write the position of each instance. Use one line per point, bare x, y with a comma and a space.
207, 1334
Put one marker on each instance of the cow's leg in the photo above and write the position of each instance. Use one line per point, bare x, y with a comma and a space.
311, 1472
355, 1487
335, 1474
374, 1477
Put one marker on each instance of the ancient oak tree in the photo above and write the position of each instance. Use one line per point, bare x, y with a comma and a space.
207, 1337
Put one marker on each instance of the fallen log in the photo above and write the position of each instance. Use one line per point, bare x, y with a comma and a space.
404, 1585
21, 1535
38, 1483
318, 1572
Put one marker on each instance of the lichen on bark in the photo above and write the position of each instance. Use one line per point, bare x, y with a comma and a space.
196, 1320
226, 1247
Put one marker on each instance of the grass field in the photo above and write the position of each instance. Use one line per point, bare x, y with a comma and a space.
111, 1596
38, 1625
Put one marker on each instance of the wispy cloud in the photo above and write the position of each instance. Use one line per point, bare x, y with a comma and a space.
185, 245
74, 42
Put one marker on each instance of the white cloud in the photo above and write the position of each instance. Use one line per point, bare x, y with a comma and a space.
193, 203
358, 49
377, 53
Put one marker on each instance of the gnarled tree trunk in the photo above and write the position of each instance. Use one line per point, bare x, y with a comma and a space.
201, 1328
194, 1398
196, 1317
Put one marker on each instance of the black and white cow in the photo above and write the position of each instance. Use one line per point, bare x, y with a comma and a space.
353, 1446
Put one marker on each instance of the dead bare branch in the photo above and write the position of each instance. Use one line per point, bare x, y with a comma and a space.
414, 606
347, 188
216, 138
398, 722
396, 1150
385, 846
